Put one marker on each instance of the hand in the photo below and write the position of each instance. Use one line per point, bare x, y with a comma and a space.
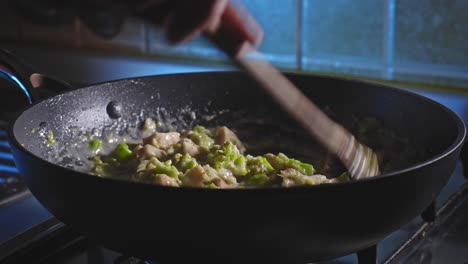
228, 24
181, 19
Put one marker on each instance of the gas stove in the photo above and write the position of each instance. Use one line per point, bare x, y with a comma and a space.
30, 234
439, 235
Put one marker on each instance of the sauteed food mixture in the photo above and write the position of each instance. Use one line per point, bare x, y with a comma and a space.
201, 157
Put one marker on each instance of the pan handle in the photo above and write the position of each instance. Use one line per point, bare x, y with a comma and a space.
33, 85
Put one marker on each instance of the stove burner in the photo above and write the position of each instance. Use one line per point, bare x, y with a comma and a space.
12, 187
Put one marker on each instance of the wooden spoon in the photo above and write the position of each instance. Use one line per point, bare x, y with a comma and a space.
359, 159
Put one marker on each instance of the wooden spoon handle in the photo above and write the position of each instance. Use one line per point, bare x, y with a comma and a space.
317, 123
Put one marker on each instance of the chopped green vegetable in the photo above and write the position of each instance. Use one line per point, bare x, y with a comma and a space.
168, 170
344, 177
228, 157
212, 186
301, 167
309, 182
258, 179
202, 137
94, 144
33, 130
50, 138
202, 130
258, 165
164, 168
98, 168
121, 153
184, 162
281, 162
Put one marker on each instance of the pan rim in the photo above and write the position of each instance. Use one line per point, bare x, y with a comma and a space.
459, 140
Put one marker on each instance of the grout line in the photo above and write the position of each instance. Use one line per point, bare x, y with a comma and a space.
389, 39
299, 33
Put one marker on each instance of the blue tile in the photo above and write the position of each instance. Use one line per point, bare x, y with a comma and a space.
278, 21
431, 42
432, 31
344, 36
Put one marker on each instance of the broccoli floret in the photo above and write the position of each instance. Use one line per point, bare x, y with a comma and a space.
257, 179
202, 137
228, 157
258, 165
258, 171
166, 167
281, 162
202, 130
184, 162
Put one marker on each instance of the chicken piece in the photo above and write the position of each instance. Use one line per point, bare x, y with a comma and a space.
200, 176
164, 180
147, 151
292, 177
220, 183
195, 177
227, 176
222, 178
162, 140
188, 147
224, 134
137, 149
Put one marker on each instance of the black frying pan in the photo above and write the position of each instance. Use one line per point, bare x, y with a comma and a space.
175, 225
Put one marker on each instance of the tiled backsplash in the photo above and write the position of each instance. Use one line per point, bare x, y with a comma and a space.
417, 41
431, 40
343, 36
279, 21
